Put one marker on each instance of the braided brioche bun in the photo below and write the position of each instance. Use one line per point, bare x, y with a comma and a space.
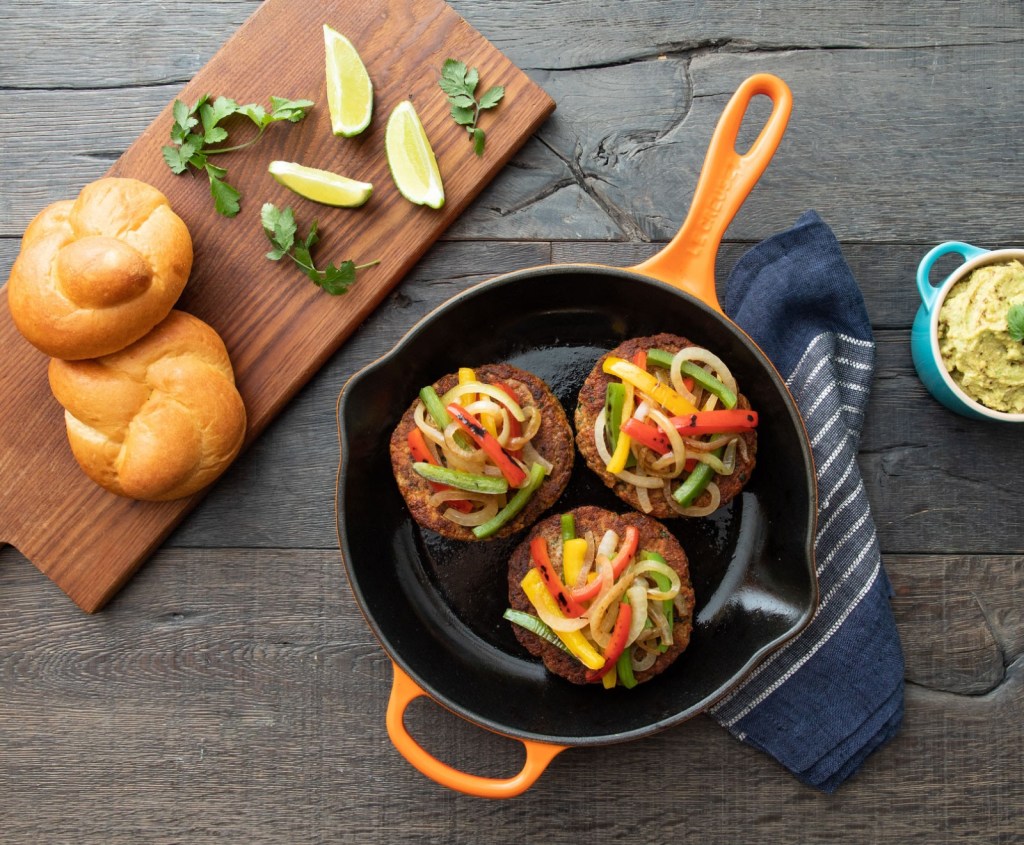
158, 420
96, 273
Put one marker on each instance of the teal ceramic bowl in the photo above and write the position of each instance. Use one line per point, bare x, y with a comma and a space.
924, 342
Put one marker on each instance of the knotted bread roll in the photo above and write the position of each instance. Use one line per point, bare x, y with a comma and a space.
158, 420
96, 273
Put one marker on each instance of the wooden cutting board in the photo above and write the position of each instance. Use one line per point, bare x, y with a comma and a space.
279, 327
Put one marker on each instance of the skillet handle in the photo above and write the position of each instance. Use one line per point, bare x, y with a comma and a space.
538, 754
688, 260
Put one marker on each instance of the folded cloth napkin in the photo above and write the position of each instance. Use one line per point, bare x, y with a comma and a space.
832, 695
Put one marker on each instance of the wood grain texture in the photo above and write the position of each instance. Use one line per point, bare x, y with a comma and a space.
279, 329
233, 692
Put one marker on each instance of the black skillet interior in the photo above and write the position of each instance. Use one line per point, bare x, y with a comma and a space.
436, 605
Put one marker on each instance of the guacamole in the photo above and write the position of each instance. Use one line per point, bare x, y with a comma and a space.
975, 342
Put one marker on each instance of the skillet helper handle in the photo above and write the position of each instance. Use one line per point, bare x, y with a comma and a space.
929, 292
538, 754
688, 260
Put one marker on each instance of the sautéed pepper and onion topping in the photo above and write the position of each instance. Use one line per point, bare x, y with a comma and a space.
610, 604
474, 447
671, 422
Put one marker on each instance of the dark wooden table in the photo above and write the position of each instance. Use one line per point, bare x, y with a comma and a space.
232, 691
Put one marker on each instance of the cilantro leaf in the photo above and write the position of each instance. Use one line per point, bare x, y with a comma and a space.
1015, 322
459, 82
280, 228
197, 129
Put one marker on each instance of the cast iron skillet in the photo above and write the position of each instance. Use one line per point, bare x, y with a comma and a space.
436, 605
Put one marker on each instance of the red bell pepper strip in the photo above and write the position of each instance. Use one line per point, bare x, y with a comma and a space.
619, 563
420, 452
640, 358
542, 561
513, 473
515, 428
646, 435
722, 421
617, 643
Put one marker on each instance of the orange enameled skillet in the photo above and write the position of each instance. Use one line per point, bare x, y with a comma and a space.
436, 605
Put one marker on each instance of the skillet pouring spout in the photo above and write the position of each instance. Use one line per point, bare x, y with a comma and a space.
436, 605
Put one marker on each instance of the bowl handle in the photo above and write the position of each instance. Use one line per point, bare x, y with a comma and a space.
538, 754
928, 291
688, 260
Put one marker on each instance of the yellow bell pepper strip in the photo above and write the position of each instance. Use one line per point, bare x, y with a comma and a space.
535, 626
621, 454
418, 448
466, 375
540, 598
573, 552
621, 560
609, 678
514, 505
649, 384
708, 382
723, 421
460, 480
489, 443
569, 607
696, 482
617, 643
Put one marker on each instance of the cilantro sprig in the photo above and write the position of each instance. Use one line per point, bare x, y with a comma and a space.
281, 229
197, 129
1015, 322
459, 83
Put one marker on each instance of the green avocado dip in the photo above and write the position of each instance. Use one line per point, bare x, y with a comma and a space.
974, 339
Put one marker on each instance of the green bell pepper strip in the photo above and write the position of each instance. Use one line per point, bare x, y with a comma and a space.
568, 523
470, 481
615, 398
696, 482
660, 358
439, 414
624, 666
709, 382
515, 504
667, 605
536, 626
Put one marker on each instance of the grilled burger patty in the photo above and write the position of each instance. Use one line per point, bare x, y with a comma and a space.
591, 403
553, 441
653, 537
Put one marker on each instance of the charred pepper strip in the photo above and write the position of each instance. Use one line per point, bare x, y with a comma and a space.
569, 607
578, 645
515, 504
617, 643
471, 481
647, 435
489, 443
728, 421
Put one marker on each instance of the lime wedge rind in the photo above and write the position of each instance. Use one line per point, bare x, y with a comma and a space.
349, 89
321, 186
411, 158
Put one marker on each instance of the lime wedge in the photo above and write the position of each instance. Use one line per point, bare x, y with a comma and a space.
411, 158
321, 185
349, 90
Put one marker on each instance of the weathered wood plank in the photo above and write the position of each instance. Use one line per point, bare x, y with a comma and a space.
619, 158
246, 684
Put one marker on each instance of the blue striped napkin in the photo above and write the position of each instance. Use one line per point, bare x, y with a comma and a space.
831, 696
